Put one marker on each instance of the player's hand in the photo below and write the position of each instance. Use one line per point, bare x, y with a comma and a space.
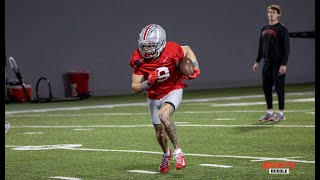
196, 73
255, 67
282, 70
152, 77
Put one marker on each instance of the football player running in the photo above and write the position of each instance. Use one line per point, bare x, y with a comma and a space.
155, 70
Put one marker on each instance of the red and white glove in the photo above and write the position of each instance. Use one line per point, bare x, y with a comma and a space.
152, 77
196, 73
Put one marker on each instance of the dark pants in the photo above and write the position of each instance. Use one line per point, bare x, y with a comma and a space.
270, 77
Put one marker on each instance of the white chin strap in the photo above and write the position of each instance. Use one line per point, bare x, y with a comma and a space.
157, 54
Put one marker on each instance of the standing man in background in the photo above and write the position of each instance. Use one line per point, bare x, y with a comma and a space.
274, 49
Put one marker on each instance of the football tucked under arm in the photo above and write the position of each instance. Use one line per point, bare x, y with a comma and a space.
189, 65
186, 67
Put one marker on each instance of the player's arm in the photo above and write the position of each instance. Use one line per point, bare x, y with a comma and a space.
255, 67
136, 83
190, 54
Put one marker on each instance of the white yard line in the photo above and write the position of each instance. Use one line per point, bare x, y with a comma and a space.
216, 165
144, 172
76, 148
248, 125
245, 97
258, 103
179, 124
90, 126
83, 129
66, 178
32, 133
238, 111
76, 115
76, 108
271, 159
144, 104
312, 113
146, 113
224, 119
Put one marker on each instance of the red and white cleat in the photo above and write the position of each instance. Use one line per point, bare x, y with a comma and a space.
165, 163
180, 161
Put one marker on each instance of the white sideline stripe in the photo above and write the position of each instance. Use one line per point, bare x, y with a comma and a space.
245, 97
302, 100
130, 114
67, 178
249, 125
44, 147
32, 133
77, 108
83, 129
270, 159
77, 115
80, 127
224, 119
239, 104
75, 147
216, 165
144, 104
250, 157
260, 103
181, 122
236, 111
310, 113
144, 172
185, 125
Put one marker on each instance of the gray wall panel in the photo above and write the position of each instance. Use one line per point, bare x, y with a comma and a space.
49, 38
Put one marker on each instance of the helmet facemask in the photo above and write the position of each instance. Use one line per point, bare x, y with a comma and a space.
152, 41
150, 49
